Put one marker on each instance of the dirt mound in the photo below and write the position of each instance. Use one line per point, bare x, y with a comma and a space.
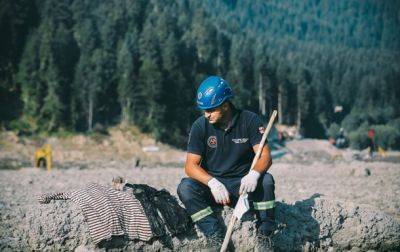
307, 151
324, 223
306, 225
125, 144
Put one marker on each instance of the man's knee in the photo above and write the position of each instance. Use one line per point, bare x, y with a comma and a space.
186, 189
268, 180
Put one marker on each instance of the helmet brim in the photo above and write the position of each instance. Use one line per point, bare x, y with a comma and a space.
200, 107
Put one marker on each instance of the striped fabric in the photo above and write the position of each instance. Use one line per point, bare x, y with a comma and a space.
108, 211
46, 198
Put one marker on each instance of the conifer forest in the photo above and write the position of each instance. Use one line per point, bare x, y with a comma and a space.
69, 65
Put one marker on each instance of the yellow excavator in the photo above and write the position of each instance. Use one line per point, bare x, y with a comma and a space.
43, 157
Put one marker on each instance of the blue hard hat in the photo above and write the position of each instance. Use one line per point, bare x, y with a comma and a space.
212, 92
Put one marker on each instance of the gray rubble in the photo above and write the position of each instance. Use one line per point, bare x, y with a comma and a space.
359, 209
309, 225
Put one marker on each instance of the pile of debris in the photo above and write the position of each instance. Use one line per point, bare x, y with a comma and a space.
307, 225
310, 150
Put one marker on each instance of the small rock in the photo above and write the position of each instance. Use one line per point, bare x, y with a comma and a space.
135, 162
367, 172
307, 247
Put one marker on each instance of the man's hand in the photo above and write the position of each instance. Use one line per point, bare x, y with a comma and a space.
218, 190
249, 182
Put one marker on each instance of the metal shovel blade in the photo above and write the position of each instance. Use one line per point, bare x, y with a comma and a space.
242, 206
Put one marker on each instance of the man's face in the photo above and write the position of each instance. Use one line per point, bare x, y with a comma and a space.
215, 115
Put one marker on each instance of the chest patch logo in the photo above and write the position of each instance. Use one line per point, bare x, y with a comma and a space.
261, 130
239, 140
212, 142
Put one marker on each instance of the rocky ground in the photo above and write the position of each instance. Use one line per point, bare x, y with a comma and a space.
327, 199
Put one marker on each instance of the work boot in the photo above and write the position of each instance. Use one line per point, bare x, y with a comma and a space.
213, 243
264, 243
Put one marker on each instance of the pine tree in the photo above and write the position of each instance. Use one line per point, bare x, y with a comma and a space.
31, 86
241, 74
128, 65
150, 110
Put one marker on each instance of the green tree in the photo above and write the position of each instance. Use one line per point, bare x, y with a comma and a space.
128, 65
150, 110
241, 73
31, 86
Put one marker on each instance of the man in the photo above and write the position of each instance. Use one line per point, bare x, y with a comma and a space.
221, 148
371, 143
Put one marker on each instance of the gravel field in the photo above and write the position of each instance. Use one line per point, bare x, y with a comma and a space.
299, 177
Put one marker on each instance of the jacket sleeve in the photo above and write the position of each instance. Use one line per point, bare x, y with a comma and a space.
196, 143
255, 129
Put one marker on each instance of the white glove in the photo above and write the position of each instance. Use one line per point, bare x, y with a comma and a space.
218, 190
249, 182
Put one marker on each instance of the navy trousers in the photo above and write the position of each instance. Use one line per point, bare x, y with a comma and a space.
200, 203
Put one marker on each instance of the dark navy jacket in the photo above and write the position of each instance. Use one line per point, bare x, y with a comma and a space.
227, 153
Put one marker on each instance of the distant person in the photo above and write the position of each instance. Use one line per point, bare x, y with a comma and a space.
341, 141
222, 145
371, 142
281, 137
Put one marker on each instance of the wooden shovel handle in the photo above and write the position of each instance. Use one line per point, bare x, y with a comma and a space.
264, 138
228, 233
260, 147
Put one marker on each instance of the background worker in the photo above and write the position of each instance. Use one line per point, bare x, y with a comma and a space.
222, 145
371, 142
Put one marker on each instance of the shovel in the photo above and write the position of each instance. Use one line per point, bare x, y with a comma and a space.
242, 206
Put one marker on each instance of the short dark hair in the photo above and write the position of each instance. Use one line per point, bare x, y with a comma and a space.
231, 104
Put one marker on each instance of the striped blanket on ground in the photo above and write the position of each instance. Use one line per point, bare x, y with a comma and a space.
107, 211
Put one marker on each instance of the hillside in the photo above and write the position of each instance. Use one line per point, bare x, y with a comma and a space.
69, 65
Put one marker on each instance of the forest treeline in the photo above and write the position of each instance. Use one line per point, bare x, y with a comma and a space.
70, 65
